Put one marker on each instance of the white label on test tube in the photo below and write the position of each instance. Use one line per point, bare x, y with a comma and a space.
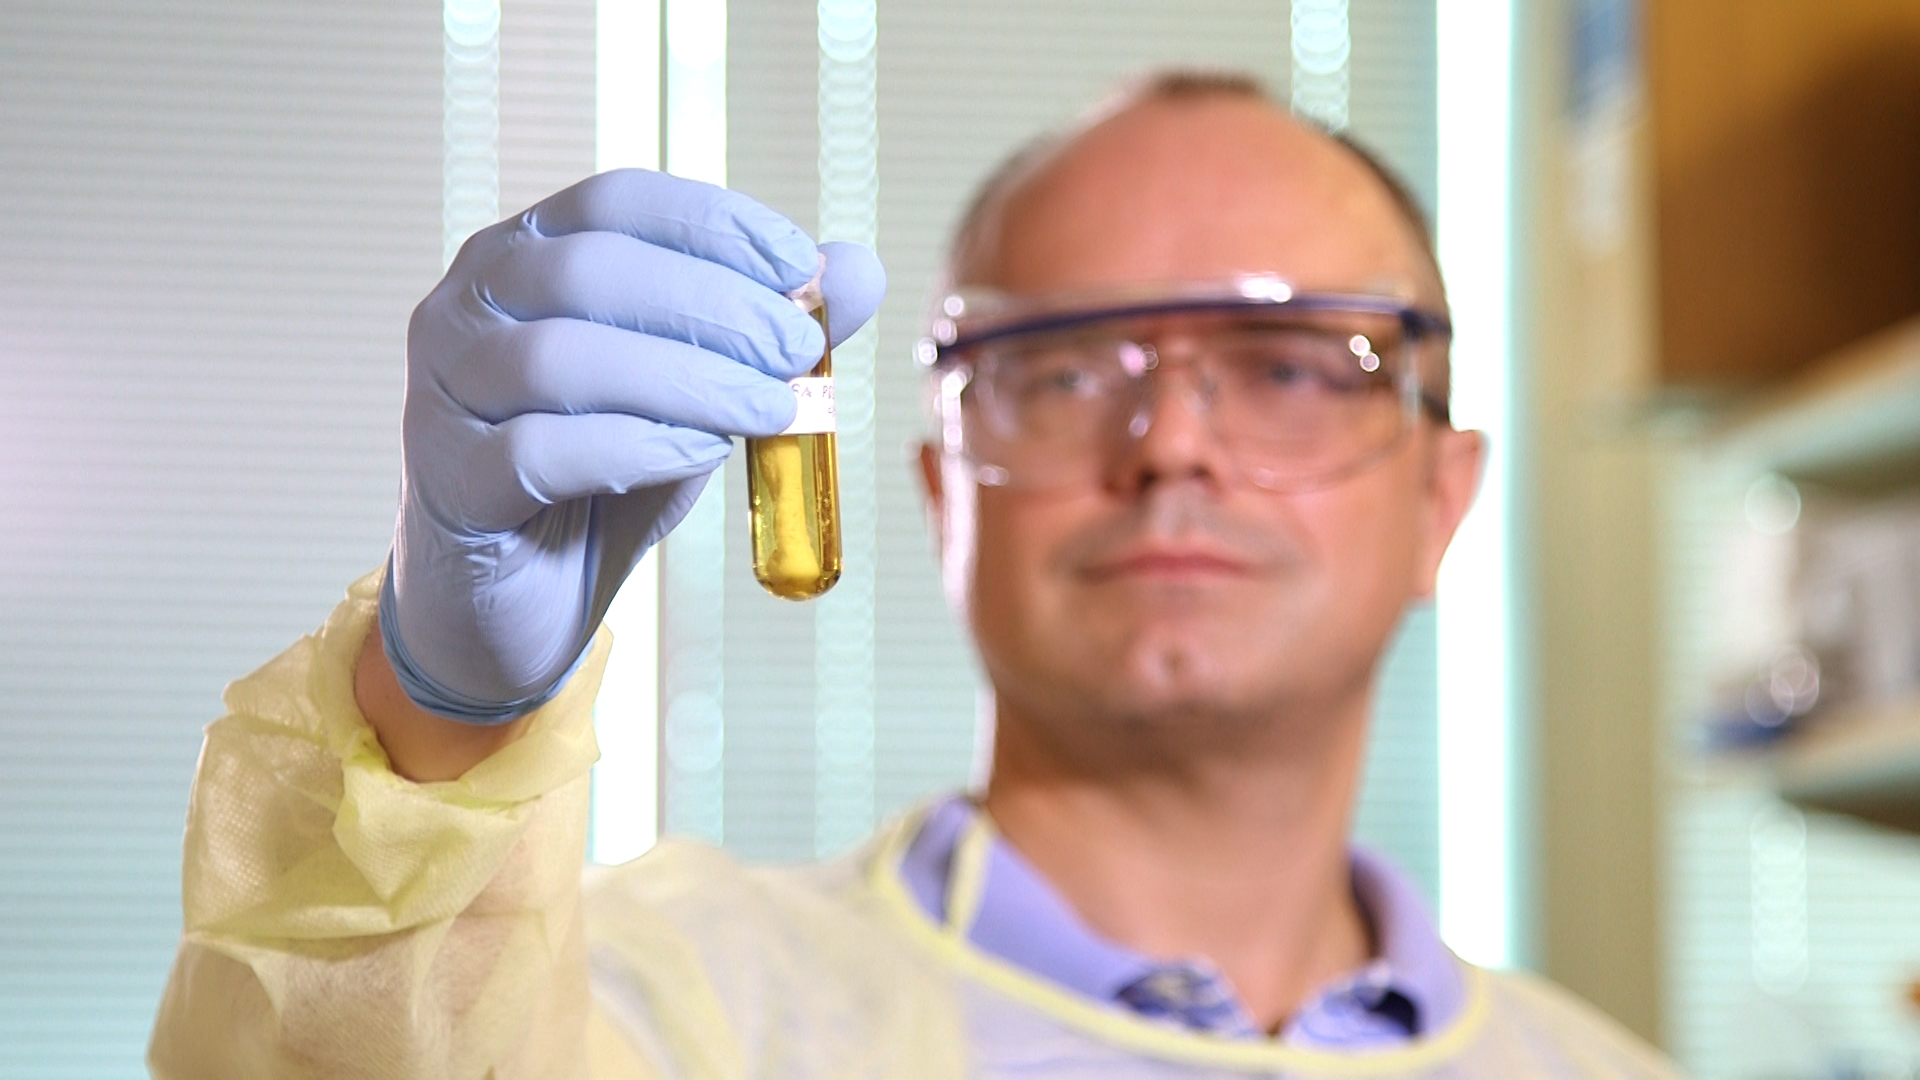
814, 396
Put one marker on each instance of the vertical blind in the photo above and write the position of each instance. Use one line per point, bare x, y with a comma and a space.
217, 218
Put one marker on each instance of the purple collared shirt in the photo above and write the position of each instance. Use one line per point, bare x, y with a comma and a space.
1412, 987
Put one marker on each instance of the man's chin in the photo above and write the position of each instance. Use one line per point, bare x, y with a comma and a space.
1177, 677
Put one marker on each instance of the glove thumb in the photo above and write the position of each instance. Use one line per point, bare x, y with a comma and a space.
853, 285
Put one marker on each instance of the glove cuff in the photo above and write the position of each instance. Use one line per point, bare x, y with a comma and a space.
439, 699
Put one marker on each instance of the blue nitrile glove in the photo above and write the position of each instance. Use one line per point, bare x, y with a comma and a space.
570, 384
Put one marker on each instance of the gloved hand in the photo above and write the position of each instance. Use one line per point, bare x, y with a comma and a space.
570, 385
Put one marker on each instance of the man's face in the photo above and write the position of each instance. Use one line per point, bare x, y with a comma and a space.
1170, 589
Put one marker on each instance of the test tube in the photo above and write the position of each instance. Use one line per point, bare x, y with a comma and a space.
793, 483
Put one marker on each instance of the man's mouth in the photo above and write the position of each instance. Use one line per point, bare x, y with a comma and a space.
1179, 533
1170, 562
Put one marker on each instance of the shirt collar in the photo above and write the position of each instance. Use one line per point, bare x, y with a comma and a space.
1413, 985
1418, 965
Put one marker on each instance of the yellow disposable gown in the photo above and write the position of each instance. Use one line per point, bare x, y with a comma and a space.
344, 922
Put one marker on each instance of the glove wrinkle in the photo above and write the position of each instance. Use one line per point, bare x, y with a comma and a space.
697, 219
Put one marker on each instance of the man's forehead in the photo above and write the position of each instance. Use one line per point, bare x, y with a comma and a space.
1195, 190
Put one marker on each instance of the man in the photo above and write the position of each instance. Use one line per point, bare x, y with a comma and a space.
1192, 464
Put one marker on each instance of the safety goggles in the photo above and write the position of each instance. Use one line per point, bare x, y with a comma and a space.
1301, 389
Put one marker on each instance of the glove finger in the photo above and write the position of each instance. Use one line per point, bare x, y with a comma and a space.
619, 281
693, 218
573, 367
853, 284
538, 459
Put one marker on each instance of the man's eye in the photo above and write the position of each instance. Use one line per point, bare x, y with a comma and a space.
1071, 380
1283, 372
1301, 365
1292, 374
1061, 380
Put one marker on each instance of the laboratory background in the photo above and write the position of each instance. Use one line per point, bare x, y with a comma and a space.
1658, 737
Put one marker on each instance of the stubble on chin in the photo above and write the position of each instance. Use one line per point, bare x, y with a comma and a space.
1154, 703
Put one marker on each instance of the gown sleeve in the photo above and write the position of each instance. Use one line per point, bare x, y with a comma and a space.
342, 921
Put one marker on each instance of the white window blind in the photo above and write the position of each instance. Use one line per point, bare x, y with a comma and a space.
218, 218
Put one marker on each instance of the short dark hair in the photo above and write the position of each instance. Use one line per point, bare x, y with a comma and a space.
1178, 85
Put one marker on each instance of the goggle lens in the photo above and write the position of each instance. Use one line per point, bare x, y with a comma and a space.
1298, 397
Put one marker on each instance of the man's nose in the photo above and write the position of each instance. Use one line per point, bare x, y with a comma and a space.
1170, 435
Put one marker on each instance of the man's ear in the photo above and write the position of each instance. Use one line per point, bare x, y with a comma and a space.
944, 480
1458, 462
930, 486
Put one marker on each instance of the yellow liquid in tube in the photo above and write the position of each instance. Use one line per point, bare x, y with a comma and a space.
793, 498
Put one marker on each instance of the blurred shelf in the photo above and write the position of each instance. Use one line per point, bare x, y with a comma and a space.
1864, 763
1850, 425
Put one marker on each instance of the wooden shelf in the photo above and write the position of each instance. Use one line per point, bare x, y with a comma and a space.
1851, 425
1783, 170
1864, 763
